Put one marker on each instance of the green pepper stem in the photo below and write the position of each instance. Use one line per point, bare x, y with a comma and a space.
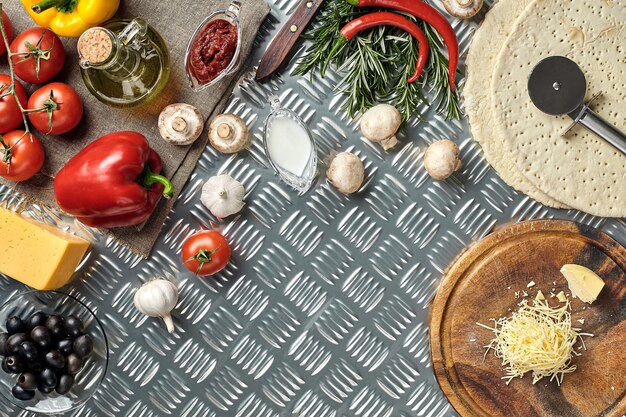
148, 178
353, 2
44, 5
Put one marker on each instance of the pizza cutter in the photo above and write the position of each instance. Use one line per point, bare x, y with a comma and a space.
557, 86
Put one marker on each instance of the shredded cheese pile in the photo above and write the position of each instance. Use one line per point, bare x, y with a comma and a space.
537, 338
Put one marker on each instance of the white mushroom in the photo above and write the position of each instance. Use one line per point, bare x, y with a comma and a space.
181, 124
380, 124
346, 172
442, 159
223, 195
228, 133
463, 9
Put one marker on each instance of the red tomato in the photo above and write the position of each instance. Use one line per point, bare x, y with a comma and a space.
21, 156
61, 109
10, 114
206, 253
37, 45
8, 29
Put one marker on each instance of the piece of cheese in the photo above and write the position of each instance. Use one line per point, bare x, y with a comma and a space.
38, 255
561, 296
583, 282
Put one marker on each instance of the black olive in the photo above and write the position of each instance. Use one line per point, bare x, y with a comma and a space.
28, 351
41, 335
65, 346
55, 325
35, 367
27, 381
3, 341
37, 319
15, 325
48, 378
65, 384
74, 364
22, 394
14, 342
43, 389
13, 365
83, 345
74, 326
5, 367
55, 359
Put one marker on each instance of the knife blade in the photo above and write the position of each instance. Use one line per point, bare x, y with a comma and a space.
282, 44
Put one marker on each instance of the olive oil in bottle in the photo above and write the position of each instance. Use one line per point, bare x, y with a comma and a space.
125, 63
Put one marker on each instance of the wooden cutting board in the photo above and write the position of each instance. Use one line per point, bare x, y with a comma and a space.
481, 285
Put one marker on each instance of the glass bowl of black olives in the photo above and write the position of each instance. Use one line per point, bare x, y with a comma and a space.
54, 352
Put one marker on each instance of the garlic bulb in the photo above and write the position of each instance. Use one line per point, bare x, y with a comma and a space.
223, 195
158, 298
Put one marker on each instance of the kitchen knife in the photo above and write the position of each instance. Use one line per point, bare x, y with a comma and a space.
280, 47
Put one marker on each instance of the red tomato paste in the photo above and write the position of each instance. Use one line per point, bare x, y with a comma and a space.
213, 50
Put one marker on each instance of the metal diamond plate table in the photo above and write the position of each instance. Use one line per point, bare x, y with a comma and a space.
323, 310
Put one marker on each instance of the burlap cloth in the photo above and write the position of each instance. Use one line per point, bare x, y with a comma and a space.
176, 22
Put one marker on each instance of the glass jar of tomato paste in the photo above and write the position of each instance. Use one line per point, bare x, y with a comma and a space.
214, 49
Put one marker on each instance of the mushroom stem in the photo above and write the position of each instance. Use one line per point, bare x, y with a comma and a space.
224, 131
389, 142
179, 124
464, 3
222, 193
169, 323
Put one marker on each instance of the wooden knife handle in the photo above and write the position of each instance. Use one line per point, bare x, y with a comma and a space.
280, 47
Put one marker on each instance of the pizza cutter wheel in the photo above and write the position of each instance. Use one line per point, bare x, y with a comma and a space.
557, 86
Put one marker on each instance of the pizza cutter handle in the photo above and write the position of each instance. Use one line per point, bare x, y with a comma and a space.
604, 129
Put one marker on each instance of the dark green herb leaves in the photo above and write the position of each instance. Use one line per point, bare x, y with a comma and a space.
375, 66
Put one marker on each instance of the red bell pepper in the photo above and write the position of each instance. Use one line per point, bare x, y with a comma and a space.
113, 182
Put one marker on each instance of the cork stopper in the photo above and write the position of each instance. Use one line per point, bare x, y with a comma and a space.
95, 46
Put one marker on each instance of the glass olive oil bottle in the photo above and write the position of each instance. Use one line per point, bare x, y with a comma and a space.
124, 64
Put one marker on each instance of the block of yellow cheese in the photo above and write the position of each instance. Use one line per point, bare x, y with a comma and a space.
38, 255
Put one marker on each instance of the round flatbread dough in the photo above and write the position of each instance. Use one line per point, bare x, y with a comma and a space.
487, 42
582, 170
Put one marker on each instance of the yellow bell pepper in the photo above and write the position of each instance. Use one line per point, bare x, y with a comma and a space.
70, 17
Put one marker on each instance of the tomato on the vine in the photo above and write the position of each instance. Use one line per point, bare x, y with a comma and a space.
10, 114
206, 253
21, 156
61, 109
39, 55
8, 29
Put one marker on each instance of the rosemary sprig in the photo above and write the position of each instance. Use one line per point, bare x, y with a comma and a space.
375, 66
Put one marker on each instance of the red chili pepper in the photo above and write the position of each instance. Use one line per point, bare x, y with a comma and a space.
113, 182
431, 16
371, 20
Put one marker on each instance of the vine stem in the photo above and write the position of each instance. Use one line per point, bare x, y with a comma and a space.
11, 87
